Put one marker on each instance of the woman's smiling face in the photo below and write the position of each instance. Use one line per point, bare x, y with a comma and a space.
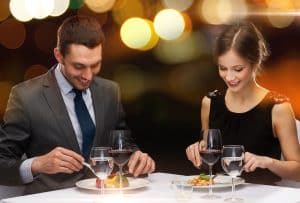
236, 72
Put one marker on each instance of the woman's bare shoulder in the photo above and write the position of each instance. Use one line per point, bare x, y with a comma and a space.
206, 101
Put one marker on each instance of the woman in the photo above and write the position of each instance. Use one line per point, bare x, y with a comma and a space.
249, 114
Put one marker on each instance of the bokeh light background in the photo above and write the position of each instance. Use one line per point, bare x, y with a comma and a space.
159, 51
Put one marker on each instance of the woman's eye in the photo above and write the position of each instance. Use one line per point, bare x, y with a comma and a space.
221, 68
239, 69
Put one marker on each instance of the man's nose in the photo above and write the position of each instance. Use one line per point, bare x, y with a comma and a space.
87, 74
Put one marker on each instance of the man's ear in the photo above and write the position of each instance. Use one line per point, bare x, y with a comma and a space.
58, 55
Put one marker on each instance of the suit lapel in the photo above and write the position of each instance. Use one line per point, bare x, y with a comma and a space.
57, 105
97, 96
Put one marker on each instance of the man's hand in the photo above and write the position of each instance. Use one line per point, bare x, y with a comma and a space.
59, 160
140, 163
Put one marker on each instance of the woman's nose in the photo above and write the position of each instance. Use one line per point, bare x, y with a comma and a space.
229, 76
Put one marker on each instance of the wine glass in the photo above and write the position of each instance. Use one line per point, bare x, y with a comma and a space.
102, 163
232, 163
121, 149
210, 153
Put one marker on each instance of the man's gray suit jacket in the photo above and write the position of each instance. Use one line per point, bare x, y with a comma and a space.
36, 121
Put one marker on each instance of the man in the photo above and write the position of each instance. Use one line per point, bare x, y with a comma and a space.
56, 118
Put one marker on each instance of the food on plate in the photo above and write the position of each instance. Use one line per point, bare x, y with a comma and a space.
201, 180
98, 183
113, 181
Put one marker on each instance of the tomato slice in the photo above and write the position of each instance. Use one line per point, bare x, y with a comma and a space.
98, 183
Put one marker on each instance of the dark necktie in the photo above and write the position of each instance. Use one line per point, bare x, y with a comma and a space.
86, 124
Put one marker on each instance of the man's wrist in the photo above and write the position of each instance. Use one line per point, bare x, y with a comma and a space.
25, 170
35, 166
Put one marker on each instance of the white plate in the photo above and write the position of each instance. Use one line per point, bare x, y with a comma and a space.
134, 183
221, 181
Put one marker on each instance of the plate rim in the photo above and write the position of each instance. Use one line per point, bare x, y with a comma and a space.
145, 183
239, 181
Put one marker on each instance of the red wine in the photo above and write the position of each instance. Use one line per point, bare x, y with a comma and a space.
210, 156
120, 156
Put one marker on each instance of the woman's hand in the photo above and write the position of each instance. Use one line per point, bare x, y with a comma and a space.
253, 161
192, 153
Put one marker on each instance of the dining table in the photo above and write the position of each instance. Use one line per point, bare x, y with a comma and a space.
159, 189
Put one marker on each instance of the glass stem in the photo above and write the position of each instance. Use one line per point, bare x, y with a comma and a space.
210, 193
101, 186
120, 176
233, 187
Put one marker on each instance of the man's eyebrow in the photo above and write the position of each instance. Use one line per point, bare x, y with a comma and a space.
85, 65
96, 63
77, 63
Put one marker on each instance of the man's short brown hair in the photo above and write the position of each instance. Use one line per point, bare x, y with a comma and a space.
83, 30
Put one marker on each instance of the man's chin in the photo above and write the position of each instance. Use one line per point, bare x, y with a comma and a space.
82, 87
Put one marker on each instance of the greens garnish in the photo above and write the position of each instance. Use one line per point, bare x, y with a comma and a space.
204, 176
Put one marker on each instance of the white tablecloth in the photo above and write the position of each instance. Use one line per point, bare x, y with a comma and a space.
159, 190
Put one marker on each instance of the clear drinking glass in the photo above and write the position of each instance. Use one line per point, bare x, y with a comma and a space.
211, 153
232, 163
121, 149
102, 163
183, 191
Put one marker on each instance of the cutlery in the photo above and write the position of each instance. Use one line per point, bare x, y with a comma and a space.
89, 166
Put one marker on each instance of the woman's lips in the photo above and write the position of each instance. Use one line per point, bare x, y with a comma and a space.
233, 84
